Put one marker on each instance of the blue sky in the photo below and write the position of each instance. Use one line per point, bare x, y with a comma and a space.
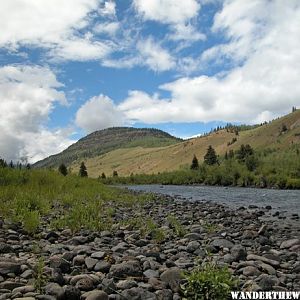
68, 68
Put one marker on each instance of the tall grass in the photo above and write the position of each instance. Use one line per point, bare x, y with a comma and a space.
29, 196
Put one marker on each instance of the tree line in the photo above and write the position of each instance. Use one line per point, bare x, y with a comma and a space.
242, 167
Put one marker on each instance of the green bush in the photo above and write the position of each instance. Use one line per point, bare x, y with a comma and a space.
209, 282
293, 183
31, 221
40, 278
176, 226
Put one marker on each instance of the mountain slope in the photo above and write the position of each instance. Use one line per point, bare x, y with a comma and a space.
106, 140
179, 155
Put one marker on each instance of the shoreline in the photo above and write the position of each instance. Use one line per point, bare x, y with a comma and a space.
134, 260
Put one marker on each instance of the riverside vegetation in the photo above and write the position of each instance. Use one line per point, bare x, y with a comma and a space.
149, 151
243, 167
71, 237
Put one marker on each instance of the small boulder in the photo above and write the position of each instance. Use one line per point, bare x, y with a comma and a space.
238, 252
289, 243
125, 269
55, 290
222, 243
97, 295
172, 277
192, 246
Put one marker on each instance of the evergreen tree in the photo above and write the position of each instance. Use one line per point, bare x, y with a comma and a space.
210, 158
251, 163
11, 165
3, 163
226, 156
284, 128
195, 163
231, 154
103, 176
82, 170
244, 152
62, 169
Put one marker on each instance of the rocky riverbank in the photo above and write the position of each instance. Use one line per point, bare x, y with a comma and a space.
137, 260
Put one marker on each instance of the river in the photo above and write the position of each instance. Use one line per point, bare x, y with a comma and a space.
285, 201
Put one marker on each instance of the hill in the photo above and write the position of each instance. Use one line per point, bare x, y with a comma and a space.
103, 141
279, 135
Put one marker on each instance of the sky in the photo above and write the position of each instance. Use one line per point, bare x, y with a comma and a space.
70, 67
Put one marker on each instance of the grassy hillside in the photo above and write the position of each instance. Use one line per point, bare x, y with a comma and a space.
139, 159
106, 140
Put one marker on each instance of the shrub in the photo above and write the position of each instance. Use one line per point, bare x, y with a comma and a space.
62, 169
208, 282
40, 278
82, 170
293, 183
195, 163
178, 229
31, 221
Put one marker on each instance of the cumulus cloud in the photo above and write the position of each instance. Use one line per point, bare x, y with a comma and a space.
154, 56
109, 8
53, 25
109, 28
98, 113
28, 95
263, 83
148, 53
176, 13
167, 11
263, 40
79, 50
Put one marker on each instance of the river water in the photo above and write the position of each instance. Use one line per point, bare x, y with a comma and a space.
284, 201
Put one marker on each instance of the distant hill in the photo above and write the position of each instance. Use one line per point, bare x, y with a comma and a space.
103, 141
278, 135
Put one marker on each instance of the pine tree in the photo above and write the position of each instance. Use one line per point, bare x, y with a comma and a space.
82, 170
210, 158
231, 154
195, 163
244, 152
284, 128
226, 156
62, 169
103, 176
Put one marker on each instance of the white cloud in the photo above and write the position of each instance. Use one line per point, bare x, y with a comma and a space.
109, 8
147, 53
167, 11
187, 32
53, 25
45, 142
154, 56
176, 13
28, 95
98, 113
79, 50
263, 44
109, 28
